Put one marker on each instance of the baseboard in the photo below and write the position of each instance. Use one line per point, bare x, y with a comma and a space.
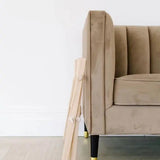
33, 122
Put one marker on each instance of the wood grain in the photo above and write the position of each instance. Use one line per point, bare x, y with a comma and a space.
110, 148
74, 112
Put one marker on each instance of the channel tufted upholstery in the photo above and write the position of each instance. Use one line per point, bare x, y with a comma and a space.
121, 92
137, 45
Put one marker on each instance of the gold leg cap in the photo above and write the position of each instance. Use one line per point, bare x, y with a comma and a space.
85, 134
93, 158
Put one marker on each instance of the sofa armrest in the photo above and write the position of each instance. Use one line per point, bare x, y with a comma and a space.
99, 50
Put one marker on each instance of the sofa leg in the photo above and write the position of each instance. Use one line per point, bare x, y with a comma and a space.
85, 131
94, 146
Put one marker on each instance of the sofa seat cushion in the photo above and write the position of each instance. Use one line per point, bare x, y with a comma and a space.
137, 89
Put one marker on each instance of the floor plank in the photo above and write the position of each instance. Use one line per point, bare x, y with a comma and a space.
50, 148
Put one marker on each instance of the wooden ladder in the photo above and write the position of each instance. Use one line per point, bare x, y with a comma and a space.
74, 112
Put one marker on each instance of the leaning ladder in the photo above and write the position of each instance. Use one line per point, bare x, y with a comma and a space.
74, 112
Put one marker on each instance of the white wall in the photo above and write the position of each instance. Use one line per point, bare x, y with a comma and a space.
39, 40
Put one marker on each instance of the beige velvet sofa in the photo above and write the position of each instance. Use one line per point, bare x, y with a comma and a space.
121, 93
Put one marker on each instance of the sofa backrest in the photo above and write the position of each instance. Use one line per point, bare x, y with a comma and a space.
137, 50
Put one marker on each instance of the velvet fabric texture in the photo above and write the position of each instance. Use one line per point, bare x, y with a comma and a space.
137, 89
119, 81
133, 120
137, 49
99, 50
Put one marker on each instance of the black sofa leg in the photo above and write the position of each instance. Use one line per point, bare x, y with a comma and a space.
94, 146
85, 131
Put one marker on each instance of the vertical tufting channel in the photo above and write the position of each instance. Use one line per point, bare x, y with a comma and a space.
154, 35
121, 51
138, 50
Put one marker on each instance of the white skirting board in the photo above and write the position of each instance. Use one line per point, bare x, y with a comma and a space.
33, 123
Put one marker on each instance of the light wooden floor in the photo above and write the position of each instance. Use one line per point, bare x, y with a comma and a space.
50, 148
